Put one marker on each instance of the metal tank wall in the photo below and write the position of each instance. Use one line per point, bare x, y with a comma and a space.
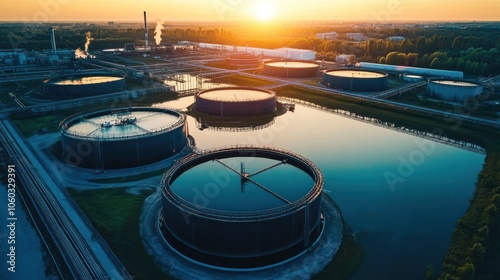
355, 83
49, 88
453, 92
290, 72
235, 108
124, 152
240, 243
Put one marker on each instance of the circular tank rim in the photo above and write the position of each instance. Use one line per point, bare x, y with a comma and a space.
52, 81
271, 94
311, 64
436, 81
299, 161
382, 74
65, 123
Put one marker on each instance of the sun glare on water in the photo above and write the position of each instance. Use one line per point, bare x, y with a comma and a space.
264, 11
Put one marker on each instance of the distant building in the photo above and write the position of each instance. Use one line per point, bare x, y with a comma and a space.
396, 38
111, 23
342, 58
327, 36
355, 36
286, 53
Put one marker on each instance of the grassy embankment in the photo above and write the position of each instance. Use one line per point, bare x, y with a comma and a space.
115, 214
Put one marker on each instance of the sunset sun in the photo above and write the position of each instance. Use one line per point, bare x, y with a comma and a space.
264, 11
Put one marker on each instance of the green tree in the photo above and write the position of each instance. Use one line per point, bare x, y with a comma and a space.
429, 272
435, 63
391, 58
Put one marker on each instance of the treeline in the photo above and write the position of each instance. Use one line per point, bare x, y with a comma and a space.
478, 56
474, 252
104, 37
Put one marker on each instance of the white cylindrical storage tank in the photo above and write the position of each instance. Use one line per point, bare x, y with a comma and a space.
453, 90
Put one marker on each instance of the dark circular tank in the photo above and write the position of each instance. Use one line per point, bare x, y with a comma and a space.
235, 102
355, 80
453, 90
242, 207
82, 85
121, 138
291, 69
243, 60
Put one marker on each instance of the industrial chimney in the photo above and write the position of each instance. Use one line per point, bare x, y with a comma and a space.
52, 39
145, 30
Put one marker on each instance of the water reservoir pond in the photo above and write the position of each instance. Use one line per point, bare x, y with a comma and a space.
401, 194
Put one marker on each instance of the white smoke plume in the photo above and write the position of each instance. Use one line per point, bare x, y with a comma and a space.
83, 54
89, 38
158, 29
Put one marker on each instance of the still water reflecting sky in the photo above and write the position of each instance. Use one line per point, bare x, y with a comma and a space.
403, 224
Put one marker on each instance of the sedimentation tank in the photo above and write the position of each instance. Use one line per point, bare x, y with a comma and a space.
291, 69
83, 85
243, 60
355, 80
242, 207
121, 138
453, 90
235, 102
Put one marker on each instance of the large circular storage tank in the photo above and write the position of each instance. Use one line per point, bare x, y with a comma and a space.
121, 138
235, 102
453, 90
355, 80
243, 60
83, 85
291, 69
242, 207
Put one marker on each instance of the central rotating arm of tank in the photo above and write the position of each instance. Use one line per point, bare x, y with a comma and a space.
267, 168
247, 178
269, 191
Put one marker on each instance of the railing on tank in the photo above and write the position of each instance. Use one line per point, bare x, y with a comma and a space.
69, 120
229, 215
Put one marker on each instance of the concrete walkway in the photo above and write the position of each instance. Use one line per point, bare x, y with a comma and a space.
304, 267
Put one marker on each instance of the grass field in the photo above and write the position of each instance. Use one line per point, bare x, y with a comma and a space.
115, 214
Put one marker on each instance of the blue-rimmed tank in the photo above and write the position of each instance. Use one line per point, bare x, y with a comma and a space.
122, 137
242, 207
453, 89
235, 102
355, 80
291, 69
82, 85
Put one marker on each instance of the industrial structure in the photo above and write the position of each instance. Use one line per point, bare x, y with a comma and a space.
453, 90
265, 209
244, 60
327, 36
235, 102
146, 40
291, 69
411, 78
397, 69
285, 53
121, 138
82, 85
355, 80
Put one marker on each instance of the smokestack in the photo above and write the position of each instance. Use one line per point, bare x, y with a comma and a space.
145, 30
52, 39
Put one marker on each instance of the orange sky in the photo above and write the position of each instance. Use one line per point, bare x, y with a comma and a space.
130, 10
